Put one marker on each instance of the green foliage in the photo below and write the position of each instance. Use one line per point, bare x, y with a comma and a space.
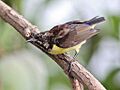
10, 40
114, 26
91, 48
24, 73
14, 3
109, 81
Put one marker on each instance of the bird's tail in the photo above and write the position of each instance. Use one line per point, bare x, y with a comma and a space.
95, 20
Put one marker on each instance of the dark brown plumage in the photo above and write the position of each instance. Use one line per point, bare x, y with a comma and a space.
74, 32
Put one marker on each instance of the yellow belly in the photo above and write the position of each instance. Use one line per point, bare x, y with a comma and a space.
59, 50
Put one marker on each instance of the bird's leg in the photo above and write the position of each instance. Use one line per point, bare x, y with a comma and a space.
70, 64
70, 67
76, 53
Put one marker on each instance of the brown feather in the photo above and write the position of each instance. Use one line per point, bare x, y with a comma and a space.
76, 36
74, 32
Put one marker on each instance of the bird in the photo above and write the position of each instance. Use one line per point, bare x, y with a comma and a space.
72, 35
68, 36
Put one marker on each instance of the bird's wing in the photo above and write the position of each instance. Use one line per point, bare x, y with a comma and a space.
76, 37
74, 32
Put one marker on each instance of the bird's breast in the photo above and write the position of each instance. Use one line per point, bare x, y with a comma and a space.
58, 50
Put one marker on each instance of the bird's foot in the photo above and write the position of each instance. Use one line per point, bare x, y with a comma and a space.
76, 54
70, 67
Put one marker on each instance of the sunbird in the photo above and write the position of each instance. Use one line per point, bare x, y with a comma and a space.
71, 35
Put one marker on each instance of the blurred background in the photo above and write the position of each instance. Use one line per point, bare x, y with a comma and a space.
24, 67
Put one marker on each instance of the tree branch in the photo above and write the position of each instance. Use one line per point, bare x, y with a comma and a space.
76, 84
26, 29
